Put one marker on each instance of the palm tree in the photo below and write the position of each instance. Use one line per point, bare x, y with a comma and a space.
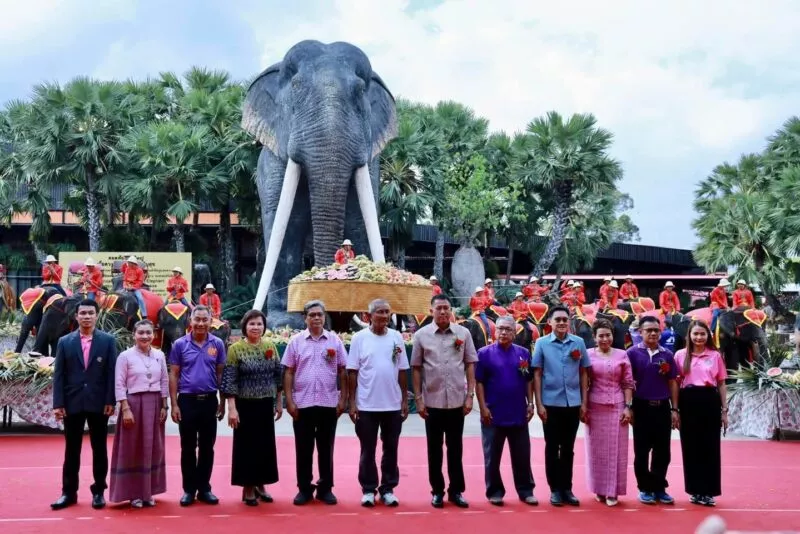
24, 182
734, 225
172, 163
561, 160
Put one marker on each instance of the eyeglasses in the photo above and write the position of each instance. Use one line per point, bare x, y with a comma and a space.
560, 319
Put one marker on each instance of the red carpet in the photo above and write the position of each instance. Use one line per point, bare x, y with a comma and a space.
760, 486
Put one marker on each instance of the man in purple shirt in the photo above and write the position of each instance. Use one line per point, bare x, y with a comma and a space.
654, 373
505, 395
196, 362
314, 360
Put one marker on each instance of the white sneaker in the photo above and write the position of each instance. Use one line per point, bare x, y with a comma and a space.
368, 500
611, 501
389, 499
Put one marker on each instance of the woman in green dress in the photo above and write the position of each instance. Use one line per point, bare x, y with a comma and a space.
251, 383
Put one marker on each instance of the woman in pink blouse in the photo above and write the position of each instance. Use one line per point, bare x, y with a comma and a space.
137, 461
703, 403
610, 395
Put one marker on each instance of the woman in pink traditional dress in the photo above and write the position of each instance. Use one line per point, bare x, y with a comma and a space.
610, 396
142, 387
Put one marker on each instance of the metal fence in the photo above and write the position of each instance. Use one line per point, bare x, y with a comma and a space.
22, 280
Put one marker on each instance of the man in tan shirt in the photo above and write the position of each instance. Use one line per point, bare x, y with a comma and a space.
443, 362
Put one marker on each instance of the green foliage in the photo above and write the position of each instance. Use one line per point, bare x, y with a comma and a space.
122, 239
14, 260
491, 268
240, 299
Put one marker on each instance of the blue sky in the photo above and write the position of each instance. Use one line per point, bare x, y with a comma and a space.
683, 85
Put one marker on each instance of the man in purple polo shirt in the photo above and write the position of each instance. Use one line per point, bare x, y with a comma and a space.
313, 361
654, 372
196, 363
505, 395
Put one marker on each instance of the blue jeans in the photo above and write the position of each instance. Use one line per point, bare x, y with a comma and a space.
715, 313
140, 300
91, 295
485, 321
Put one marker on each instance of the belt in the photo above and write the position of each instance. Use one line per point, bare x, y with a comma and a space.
653, 402
199, 396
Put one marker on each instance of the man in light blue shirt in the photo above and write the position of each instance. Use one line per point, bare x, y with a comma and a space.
560, 383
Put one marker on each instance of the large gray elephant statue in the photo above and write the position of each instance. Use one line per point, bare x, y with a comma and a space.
323, 117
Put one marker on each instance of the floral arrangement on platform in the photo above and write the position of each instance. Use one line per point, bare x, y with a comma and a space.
34, 373
760, 377
362, 269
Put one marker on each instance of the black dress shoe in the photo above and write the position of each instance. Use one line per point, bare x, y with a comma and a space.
570, 498
302, 498
263, 495
458, 500
556, 499
327, 497
437, 501
64, 501
207, 497
98, 501
187, 499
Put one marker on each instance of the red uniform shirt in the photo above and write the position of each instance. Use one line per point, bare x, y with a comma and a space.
669, 301
52, 274
132, 276
477, 303
743, 297
533, 291
488, 294
214, 303
92, 280
719, 298
570, 298
342, 257
518, 309
179, 285
629, 291
436, 289
604, 291
612, 297
580, 296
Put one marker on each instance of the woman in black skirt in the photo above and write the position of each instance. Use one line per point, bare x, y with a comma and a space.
703, 404
251, 382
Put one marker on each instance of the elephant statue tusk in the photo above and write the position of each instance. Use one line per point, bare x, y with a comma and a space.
366, 200
290, 181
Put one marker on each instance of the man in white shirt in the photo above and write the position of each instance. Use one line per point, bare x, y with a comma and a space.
377, 365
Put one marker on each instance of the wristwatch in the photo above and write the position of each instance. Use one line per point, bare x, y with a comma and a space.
629, 405
675, 410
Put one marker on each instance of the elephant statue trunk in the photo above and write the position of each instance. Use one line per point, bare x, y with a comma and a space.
323, 117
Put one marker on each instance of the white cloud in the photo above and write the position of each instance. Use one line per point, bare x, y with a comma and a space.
646, 68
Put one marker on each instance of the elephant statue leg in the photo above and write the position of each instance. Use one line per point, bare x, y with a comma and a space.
290, 258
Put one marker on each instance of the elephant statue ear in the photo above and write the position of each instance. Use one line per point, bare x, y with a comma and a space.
384, 115
261, 111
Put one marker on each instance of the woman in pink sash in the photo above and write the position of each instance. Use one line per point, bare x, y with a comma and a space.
137, 461
610, 395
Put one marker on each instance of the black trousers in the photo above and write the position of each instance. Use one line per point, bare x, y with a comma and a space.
652, 431
493, 439
559, 445
315, 425
701, 413
73, 435
390, 424
198, 430
447, 425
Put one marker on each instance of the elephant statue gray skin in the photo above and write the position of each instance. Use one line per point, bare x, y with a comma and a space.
323, 117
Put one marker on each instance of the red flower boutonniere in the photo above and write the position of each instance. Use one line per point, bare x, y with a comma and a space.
330, 355
575, 354
524, 367
663, 367
458, 343
396, 353
268, 354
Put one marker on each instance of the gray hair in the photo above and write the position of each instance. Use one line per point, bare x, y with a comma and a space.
313, 304
378, 302
200, 308
505, 319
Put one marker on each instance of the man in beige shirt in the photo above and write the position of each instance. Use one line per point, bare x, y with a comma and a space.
443, 362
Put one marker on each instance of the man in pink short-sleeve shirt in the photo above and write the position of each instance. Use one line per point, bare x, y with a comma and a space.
314, 360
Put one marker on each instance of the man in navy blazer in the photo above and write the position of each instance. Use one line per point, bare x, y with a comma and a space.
83, 392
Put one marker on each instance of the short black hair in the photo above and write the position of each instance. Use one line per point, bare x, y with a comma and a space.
649, 319
557, 308
439, 297
88, 302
